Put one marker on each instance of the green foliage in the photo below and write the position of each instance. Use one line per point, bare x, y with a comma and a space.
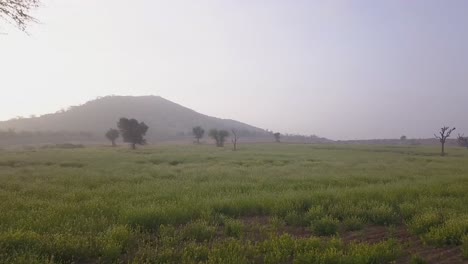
194, 204
294, 218
132, 131
325, 226
199, 231
198, 132
278, 249
353, 223
230, 252
112, 134
219, 136
450, 233
465, 246
420, 224
415, 259
233, 228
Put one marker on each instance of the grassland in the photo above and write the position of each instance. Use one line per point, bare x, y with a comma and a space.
262, 204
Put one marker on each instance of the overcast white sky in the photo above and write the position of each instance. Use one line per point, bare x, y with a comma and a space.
339, 69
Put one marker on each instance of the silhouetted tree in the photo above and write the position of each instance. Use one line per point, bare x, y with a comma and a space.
219, 136
18, 12
198, 132
442, 137
234, 139
277, 136
132, 131
112, 134
463, 141
403, 138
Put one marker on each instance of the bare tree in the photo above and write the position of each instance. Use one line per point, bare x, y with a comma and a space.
18, 12
442, 137
234, 139
462, 140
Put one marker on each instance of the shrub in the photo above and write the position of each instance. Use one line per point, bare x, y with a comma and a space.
278, 249
382, 215
465, 246
353, 223
422, 223
293, 218
195, 253
233, 228
199, 231
315, 213
325, 226
450, 233
229, 252
416, 259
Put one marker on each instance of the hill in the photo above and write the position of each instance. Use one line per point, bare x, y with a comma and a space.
167, 120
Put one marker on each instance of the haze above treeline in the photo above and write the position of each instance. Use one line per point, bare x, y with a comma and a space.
337, 69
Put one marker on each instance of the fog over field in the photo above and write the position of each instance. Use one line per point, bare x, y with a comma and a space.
338, 69
233, 132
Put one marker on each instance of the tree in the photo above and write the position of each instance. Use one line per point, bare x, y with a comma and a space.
198, 132
18, 12
277, 136
234, 139
112, 134
442, 137
132, 131
219, 136
462, 140
403, 138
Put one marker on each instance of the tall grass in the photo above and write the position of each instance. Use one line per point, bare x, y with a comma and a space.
199, 204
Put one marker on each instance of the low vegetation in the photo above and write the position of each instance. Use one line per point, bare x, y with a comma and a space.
271, 203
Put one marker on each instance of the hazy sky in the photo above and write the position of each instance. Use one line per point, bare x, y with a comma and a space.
339, 69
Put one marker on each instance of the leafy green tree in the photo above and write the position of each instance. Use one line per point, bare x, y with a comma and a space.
277, 136
403, 138
198, 132
112, 134
132, 131
442, 137
219, 136
18, 12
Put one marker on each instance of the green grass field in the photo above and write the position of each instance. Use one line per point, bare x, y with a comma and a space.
262, 204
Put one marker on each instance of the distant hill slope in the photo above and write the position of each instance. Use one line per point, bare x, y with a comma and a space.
167, 120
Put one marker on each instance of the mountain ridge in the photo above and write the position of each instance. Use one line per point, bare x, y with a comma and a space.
166, 119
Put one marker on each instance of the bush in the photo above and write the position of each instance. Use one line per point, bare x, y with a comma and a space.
465, 246
278, 249
293, 218
194, 253
199, 231
382, 215
315, 213
353, 223
422, 223
450, 233
233, 228
415, 259
229, 252
325, 226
